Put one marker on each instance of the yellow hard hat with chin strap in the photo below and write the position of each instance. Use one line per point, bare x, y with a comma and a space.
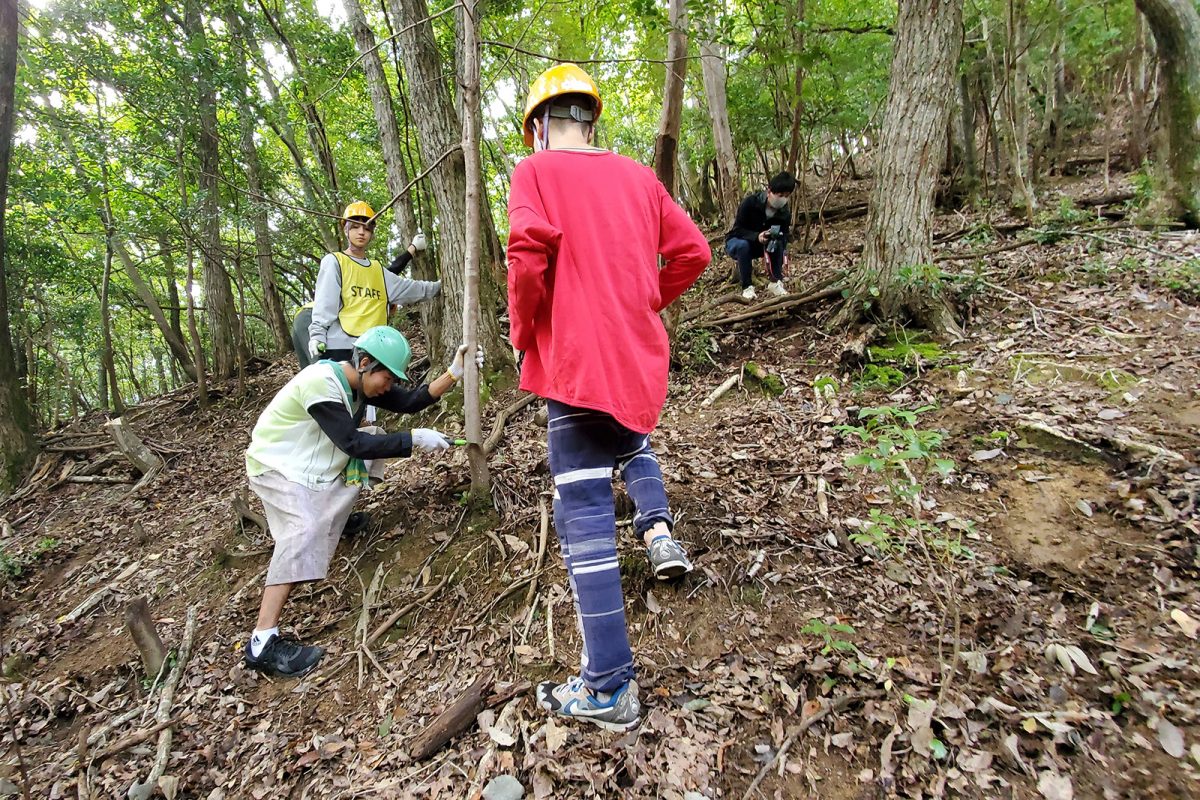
554, 82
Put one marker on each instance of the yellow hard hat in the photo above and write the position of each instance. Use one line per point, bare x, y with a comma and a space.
558, 80
358, 209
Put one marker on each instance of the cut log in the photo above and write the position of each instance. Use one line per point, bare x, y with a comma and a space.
454, 720
141, 627
854, 352
133, 448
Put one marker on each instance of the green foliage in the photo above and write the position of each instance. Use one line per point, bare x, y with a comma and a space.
893, 446
13, 565
831, 635
880, 377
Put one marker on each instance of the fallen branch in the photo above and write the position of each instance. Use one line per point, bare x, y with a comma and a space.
97, 479
784, 303
459, 716
387, 624
133, 448
734, 296
799, 730
543, 535
725, 386
135, 738
144, 790
502, 418
95, 597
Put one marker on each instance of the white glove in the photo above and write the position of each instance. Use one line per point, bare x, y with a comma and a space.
316, 349
458, 366
429, 439
418, 242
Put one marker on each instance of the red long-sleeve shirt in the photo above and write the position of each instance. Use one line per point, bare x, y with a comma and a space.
584, 286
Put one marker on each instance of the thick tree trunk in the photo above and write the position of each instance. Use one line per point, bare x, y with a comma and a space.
218, 296
385, 115
1176, 28
712, 70
892, 280
666, 143
439, 132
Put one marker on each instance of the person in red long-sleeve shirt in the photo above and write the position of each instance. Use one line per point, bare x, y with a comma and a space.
587, 228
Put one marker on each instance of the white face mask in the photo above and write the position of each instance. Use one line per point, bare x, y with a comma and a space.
776, 202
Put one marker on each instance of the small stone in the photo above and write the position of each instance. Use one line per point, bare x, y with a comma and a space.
503, 787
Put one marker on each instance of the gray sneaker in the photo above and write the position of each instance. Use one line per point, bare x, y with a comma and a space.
619, 712
668, 558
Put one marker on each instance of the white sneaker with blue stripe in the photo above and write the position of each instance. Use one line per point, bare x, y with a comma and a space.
617, 712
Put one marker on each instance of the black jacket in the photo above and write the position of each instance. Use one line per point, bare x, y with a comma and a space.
752, 219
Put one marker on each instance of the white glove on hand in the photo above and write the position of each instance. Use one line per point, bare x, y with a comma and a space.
458, 366
429, 439
315, 349
418, 242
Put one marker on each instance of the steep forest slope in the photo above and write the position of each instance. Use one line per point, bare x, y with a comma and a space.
1022, 623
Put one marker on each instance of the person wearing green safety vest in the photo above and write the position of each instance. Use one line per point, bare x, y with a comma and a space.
308, 460
354, 292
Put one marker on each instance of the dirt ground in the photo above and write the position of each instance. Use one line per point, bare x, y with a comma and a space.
1025, 628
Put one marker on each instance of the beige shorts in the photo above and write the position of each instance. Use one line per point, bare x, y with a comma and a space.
306, 524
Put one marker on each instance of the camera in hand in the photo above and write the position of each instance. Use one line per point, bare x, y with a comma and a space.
774, 239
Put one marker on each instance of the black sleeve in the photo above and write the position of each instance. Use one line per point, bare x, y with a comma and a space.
404, 401
339, 426
401, 261
785, 226
744, 224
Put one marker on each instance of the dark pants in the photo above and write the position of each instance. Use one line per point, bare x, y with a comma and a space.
300, 341
584, 448
744, 252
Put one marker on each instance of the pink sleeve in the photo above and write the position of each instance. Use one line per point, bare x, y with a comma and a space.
684, 248
532, 246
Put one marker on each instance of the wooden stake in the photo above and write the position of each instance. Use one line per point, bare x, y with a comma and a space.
141, 627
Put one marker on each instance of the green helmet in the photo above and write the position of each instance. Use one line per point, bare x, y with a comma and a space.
387, 346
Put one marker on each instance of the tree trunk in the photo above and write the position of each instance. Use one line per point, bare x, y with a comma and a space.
190, 288
666, 143
439, 132
481, 482
712, 70
108, 367
793, 156
1176, 28
894, 278
1140, 81
218, 296
385, 115
271, 306
1016, 104
967, 123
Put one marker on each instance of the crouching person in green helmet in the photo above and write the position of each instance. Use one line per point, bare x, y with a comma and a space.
308, 460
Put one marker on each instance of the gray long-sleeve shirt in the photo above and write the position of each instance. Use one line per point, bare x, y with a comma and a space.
327, 300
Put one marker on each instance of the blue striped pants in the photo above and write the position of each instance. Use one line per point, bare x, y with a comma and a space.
585, 446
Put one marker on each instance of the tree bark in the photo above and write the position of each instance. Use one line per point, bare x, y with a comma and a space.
264, 256
481, 482
140, 624
1176, 28
108, 366
712, 70
1016, 104
385, 114
218, 296
1140, 83
439, 131
666, 143
892, 280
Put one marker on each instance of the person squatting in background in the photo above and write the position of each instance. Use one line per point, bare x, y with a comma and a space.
763, 224
587, 227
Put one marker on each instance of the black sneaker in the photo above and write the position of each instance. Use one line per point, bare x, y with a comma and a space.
356, 523
284, 657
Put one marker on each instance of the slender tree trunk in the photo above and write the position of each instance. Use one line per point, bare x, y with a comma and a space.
666, 143
481, 482
439, 132
385, 114
271, 306
1176, 28
108, 368
967, 132
794, 140
1139, 91
1016, 104
895, 278
712, 70
189, 291
218, 296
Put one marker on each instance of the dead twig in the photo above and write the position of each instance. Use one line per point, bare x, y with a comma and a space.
502, 418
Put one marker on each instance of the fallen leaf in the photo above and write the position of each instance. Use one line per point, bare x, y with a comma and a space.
556, 736
1053, 786
1170, 738
652, 603
1080, 658
1189, 625
1108, 414
1084, 507
985, 455
501, 737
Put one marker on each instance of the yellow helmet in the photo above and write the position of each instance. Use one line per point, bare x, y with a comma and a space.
358, 209
558, 80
